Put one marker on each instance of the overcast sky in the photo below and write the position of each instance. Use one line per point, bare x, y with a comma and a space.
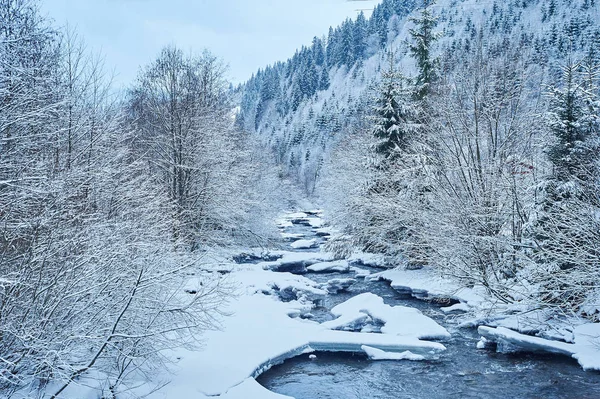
247, 34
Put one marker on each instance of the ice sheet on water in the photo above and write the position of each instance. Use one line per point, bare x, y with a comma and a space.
586, 348
511, 341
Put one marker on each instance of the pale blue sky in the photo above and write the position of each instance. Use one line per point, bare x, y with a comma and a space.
247, 34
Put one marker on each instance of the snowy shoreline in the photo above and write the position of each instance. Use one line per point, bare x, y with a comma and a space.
506, 330
265, 326
263, 331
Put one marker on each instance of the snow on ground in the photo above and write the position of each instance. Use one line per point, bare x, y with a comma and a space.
378, 354
586, 348
398, 320
304, 244
259, 332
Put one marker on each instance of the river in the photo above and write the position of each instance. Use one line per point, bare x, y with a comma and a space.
463, 371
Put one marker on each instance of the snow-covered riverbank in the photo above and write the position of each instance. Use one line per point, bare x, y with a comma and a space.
261, 329
269, 322
511, 327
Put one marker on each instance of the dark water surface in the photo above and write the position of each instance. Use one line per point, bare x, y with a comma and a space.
462, 371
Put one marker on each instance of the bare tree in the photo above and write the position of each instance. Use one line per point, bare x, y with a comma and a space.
90, 282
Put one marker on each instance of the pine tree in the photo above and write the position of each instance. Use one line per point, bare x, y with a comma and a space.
380, 25
424, 37
324, 80
393, 114
360, 33
345, 55
567, 229
318, 51
330, 50
573, 120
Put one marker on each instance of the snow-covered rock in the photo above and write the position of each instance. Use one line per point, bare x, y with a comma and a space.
315, 222
425, 283
458, 307
295, 262
378, 354
340, 266
296, 290
367, 259
396, 320
324, 231
349, 322
314, 212
292, 236
256, 255
337, 285
304, 244
360, 273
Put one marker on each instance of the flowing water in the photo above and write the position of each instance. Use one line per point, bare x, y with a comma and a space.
462, 371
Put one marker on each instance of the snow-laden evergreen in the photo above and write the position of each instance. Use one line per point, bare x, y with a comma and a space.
301, 126
495, 181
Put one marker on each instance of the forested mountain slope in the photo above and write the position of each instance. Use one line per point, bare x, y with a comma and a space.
302, 106
461, 135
